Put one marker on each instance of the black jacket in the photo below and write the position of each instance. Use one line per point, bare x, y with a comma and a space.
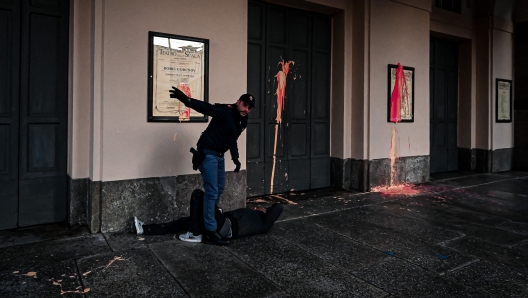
224, 129
245, 222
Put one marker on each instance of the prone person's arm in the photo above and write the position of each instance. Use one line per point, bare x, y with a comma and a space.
272, 214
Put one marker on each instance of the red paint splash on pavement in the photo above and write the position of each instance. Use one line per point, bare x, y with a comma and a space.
402, 189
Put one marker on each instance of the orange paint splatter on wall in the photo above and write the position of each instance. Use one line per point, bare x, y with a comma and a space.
281, 94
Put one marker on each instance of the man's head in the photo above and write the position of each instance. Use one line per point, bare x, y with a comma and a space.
245, 103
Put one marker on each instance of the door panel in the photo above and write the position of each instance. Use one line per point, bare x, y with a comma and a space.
275, 34
444, 106
9, 93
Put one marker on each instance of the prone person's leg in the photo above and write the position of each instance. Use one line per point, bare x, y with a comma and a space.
172, 227
196, 220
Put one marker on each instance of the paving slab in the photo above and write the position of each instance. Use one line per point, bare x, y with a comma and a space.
132, 273
429, 208
123, 241
433, 257
496, 280
454, 219
470, 200
210, 271
513, 258
334, 248
39, 234
403, 279
297, 271
450, 175
427, 232
59, 279
48, 252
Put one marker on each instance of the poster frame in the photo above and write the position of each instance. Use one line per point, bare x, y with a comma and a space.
154, 79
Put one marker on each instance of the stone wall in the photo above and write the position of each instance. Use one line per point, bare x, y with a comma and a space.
111, 206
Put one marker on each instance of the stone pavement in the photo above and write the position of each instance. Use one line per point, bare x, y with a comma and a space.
462, 235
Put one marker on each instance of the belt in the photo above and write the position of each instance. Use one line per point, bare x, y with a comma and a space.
212, 152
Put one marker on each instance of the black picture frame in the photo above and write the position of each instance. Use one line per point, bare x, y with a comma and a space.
503, 101
391, 77
181, 61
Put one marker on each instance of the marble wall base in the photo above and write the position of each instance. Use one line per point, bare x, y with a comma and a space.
111, 206
499, 160
502, 160
409, 169
78, 201
363, 174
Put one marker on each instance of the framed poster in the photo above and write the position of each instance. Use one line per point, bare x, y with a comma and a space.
503, 101
406, 104
178, 61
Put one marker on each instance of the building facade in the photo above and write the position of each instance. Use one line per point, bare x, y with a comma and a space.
75, 143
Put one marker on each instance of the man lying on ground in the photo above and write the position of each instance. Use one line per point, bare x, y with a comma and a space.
231, 225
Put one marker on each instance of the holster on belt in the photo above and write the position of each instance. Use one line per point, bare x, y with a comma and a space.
197, 158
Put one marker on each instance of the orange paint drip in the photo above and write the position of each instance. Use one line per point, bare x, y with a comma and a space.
281, 94
392, 156
185, 113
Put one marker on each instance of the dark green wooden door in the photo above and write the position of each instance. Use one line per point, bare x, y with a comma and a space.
290, 151
33, 111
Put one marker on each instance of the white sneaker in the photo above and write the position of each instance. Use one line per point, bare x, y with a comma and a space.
139, 226
190, 237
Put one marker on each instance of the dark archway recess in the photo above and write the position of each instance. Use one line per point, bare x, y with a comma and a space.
443, 105
302, 146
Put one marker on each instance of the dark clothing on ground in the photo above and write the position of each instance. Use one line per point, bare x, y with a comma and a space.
245, 222
225, 127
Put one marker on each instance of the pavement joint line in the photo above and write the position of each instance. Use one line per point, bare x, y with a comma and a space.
255, 269
453, 178
79, 274
107, 243
443, 243
463, 265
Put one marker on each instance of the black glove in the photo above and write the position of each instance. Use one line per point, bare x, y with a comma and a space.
237, 163
178, 94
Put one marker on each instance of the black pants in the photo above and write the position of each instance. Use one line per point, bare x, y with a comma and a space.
193, 223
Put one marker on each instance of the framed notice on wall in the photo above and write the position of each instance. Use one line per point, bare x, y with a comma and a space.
503, 101
400, 93
178, 61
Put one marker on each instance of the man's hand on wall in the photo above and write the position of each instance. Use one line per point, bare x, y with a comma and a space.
178, 94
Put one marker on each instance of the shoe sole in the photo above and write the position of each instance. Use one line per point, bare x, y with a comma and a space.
190, 240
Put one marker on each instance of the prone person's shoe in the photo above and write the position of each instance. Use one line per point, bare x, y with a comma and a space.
190, 237
212, 237
139, 226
